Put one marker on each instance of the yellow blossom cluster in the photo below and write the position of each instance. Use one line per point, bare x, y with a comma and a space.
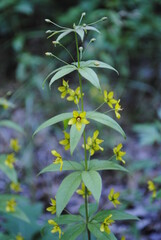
109, 99
93, 143
73, 95
106, 223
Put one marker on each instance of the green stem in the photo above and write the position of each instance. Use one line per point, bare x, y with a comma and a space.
84, 136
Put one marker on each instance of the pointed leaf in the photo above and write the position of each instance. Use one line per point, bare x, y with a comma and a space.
62, 35
62, 73
67, 166
93, 182
90, 28
10, 124
98, 165
66, 190
98, 64
90, 75
95, 230
73, 232
68, 219
116, 215
56, 70
75, 136
10, 172
18, 212
80, 32
54, 120
106, 120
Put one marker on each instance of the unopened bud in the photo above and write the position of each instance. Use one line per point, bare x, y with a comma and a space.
55, 42
84, 25
80, 49
48, 54
93, 39
49, 31
47, 20
74, 25
83, 14
104, 18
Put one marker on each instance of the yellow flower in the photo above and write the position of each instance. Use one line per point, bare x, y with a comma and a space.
113, 197
74, 95
119, 154
10, 160
10, 205
19, 237
78, 119
52, 208
93, 143
123, 238
58, 159
152, 188
15, 187
14, 144
117, 109
66, 142
82, 191
64, 89
108, 98
106, 223
56, 227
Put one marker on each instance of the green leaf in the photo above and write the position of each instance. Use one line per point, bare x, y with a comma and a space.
18, 212
116, 215
92, 208
99, 64
62, 35
95, 230
106, 120
10, 124
56, 70
73, 232
90, 28
54, 120
68, 219
157, 179
66, 190
90, 75
93, 182
75, 136
10, 172
62, 73
98, 165
67, 166
80, 32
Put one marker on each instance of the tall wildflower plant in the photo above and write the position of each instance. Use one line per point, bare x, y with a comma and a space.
85, 173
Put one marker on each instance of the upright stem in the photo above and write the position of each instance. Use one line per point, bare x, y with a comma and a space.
84, 136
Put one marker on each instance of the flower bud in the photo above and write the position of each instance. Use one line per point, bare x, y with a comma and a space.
93, 39
49, 31
48, 54
47, 20
104, 18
